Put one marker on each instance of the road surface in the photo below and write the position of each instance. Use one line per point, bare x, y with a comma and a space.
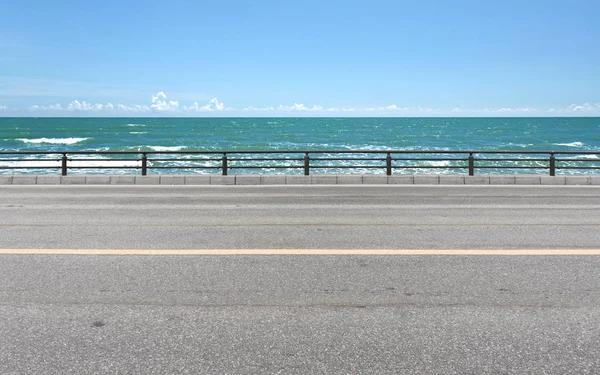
282, 310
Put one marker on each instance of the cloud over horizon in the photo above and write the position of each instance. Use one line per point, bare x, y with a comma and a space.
211, 106
160, 104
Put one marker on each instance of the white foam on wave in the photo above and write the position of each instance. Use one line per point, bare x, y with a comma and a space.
71, 163
572, 144
138, 132
60, 141
522, 145
133, 125
582, 157
441, 163
167, 148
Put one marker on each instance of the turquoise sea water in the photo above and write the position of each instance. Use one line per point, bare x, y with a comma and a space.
184, 134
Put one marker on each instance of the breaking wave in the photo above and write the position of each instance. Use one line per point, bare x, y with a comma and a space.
57, 141
572, 144
167, 148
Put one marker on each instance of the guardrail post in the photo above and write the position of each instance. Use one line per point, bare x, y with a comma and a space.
471, 164
144, 164
224, 164
388, 164
552, 165
306, 164
64, 164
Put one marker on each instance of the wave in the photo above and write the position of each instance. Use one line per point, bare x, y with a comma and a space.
167, 148
138, 132
572, 144
140, 125
72, 163
61, 141
522, 145
582, 157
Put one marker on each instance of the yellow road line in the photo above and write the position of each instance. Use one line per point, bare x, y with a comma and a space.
295, 252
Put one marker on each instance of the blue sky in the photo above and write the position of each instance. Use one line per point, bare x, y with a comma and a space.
305, 58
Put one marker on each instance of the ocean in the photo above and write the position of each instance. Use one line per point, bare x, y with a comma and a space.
205, 134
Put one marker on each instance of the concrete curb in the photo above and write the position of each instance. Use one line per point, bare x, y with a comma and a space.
347, 179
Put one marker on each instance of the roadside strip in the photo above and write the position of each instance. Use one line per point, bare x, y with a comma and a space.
296, 252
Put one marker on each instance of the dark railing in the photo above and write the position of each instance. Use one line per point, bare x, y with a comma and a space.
226, 161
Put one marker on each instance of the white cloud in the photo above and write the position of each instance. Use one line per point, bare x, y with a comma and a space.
317, 108
299, 108
585, 107
427, 110
334, 109
131, 108
215, 103
211, 106
3, 107
516, 110
285, 108
52, 107
393, 107
254, 109
161, 104
83, 106
475, 111
526, 109
76, 105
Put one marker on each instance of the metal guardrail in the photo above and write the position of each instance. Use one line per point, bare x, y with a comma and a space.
307, 160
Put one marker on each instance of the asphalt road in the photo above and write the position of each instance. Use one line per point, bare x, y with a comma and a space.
216, 314
262, 217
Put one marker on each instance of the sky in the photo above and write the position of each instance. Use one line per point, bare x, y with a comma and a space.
300, 58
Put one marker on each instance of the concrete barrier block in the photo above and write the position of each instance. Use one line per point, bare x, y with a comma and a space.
172, 180
477, 180
198, 180
247, 179
553, 180
406, 179
272, 179
375, 179
323, 180
594, 180
147, 180
97, 180
48, 180
222, 180
350, 180
502, 180
6, 180
448, 179
297, 180
424, 179
24, 180
122, 180
528, 180
573, 180
72, 180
